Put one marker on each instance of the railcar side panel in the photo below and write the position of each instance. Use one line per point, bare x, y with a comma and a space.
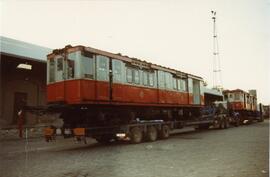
73, 91
88, 90
102, 91
133, 94
55, 92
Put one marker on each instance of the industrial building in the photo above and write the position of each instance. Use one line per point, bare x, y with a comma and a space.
22, 80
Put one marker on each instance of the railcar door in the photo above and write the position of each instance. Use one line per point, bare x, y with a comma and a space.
196, 92
103, 78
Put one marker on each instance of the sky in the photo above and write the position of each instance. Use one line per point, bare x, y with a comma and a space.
175, 34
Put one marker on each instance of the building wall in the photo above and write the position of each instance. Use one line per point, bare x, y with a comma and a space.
30, 82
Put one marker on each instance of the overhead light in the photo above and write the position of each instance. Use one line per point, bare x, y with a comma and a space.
24, 66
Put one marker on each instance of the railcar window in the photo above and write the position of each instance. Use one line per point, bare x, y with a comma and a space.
51, 70
87, 67
117, 74
129, 75
102, 68
145, 79
148, 78
183, 85
136, 76
237, 96
168, 81
175, 85
151, 79
161, 79
226, 97
179, 84
73, 65
70, 69
60, 64
133, 75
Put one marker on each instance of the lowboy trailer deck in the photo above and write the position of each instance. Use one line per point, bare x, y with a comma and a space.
147, 130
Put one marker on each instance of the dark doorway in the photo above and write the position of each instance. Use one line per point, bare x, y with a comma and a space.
20, 100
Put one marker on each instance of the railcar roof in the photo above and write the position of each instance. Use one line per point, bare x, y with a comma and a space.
237, 91
124, 58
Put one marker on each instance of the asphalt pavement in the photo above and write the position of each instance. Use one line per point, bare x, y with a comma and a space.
234, 152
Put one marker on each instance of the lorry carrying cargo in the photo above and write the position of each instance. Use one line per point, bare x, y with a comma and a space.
109, 96
244, 104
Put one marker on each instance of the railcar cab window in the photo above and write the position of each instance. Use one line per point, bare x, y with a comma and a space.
80, 65
60, 64
87, 65
237, 96
51, 66
55, 69
59, 73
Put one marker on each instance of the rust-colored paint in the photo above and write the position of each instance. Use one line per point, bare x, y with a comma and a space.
92, 91
237, 105
190, 95
55, 92
173, 97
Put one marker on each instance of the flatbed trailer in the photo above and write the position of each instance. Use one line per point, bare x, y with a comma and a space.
146, 130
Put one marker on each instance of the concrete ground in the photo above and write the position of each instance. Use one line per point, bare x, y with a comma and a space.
234, 152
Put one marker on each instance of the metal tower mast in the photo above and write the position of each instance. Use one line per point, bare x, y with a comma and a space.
217, 78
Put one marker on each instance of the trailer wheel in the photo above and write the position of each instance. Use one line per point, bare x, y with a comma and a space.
237, 122
227, 122
203, 127
222, 124
164, 132
104, 139
136, 135
152, 133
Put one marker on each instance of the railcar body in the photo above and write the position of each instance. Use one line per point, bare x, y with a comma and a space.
105, 87
245, 103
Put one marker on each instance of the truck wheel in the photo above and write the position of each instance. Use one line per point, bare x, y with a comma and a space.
152, 133
136, 135
164, 132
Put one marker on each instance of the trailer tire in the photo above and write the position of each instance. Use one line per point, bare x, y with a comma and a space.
203, 127
227, 123
104, 139
136, 135
164, 132
222, 124
151, 133
237, 122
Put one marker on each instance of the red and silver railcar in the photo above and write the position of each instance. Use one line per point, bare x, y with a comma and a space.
107, 84
245, 103
83, 75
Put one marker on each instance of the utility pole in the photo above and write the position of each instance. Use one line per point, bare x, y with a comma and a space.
217, 77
